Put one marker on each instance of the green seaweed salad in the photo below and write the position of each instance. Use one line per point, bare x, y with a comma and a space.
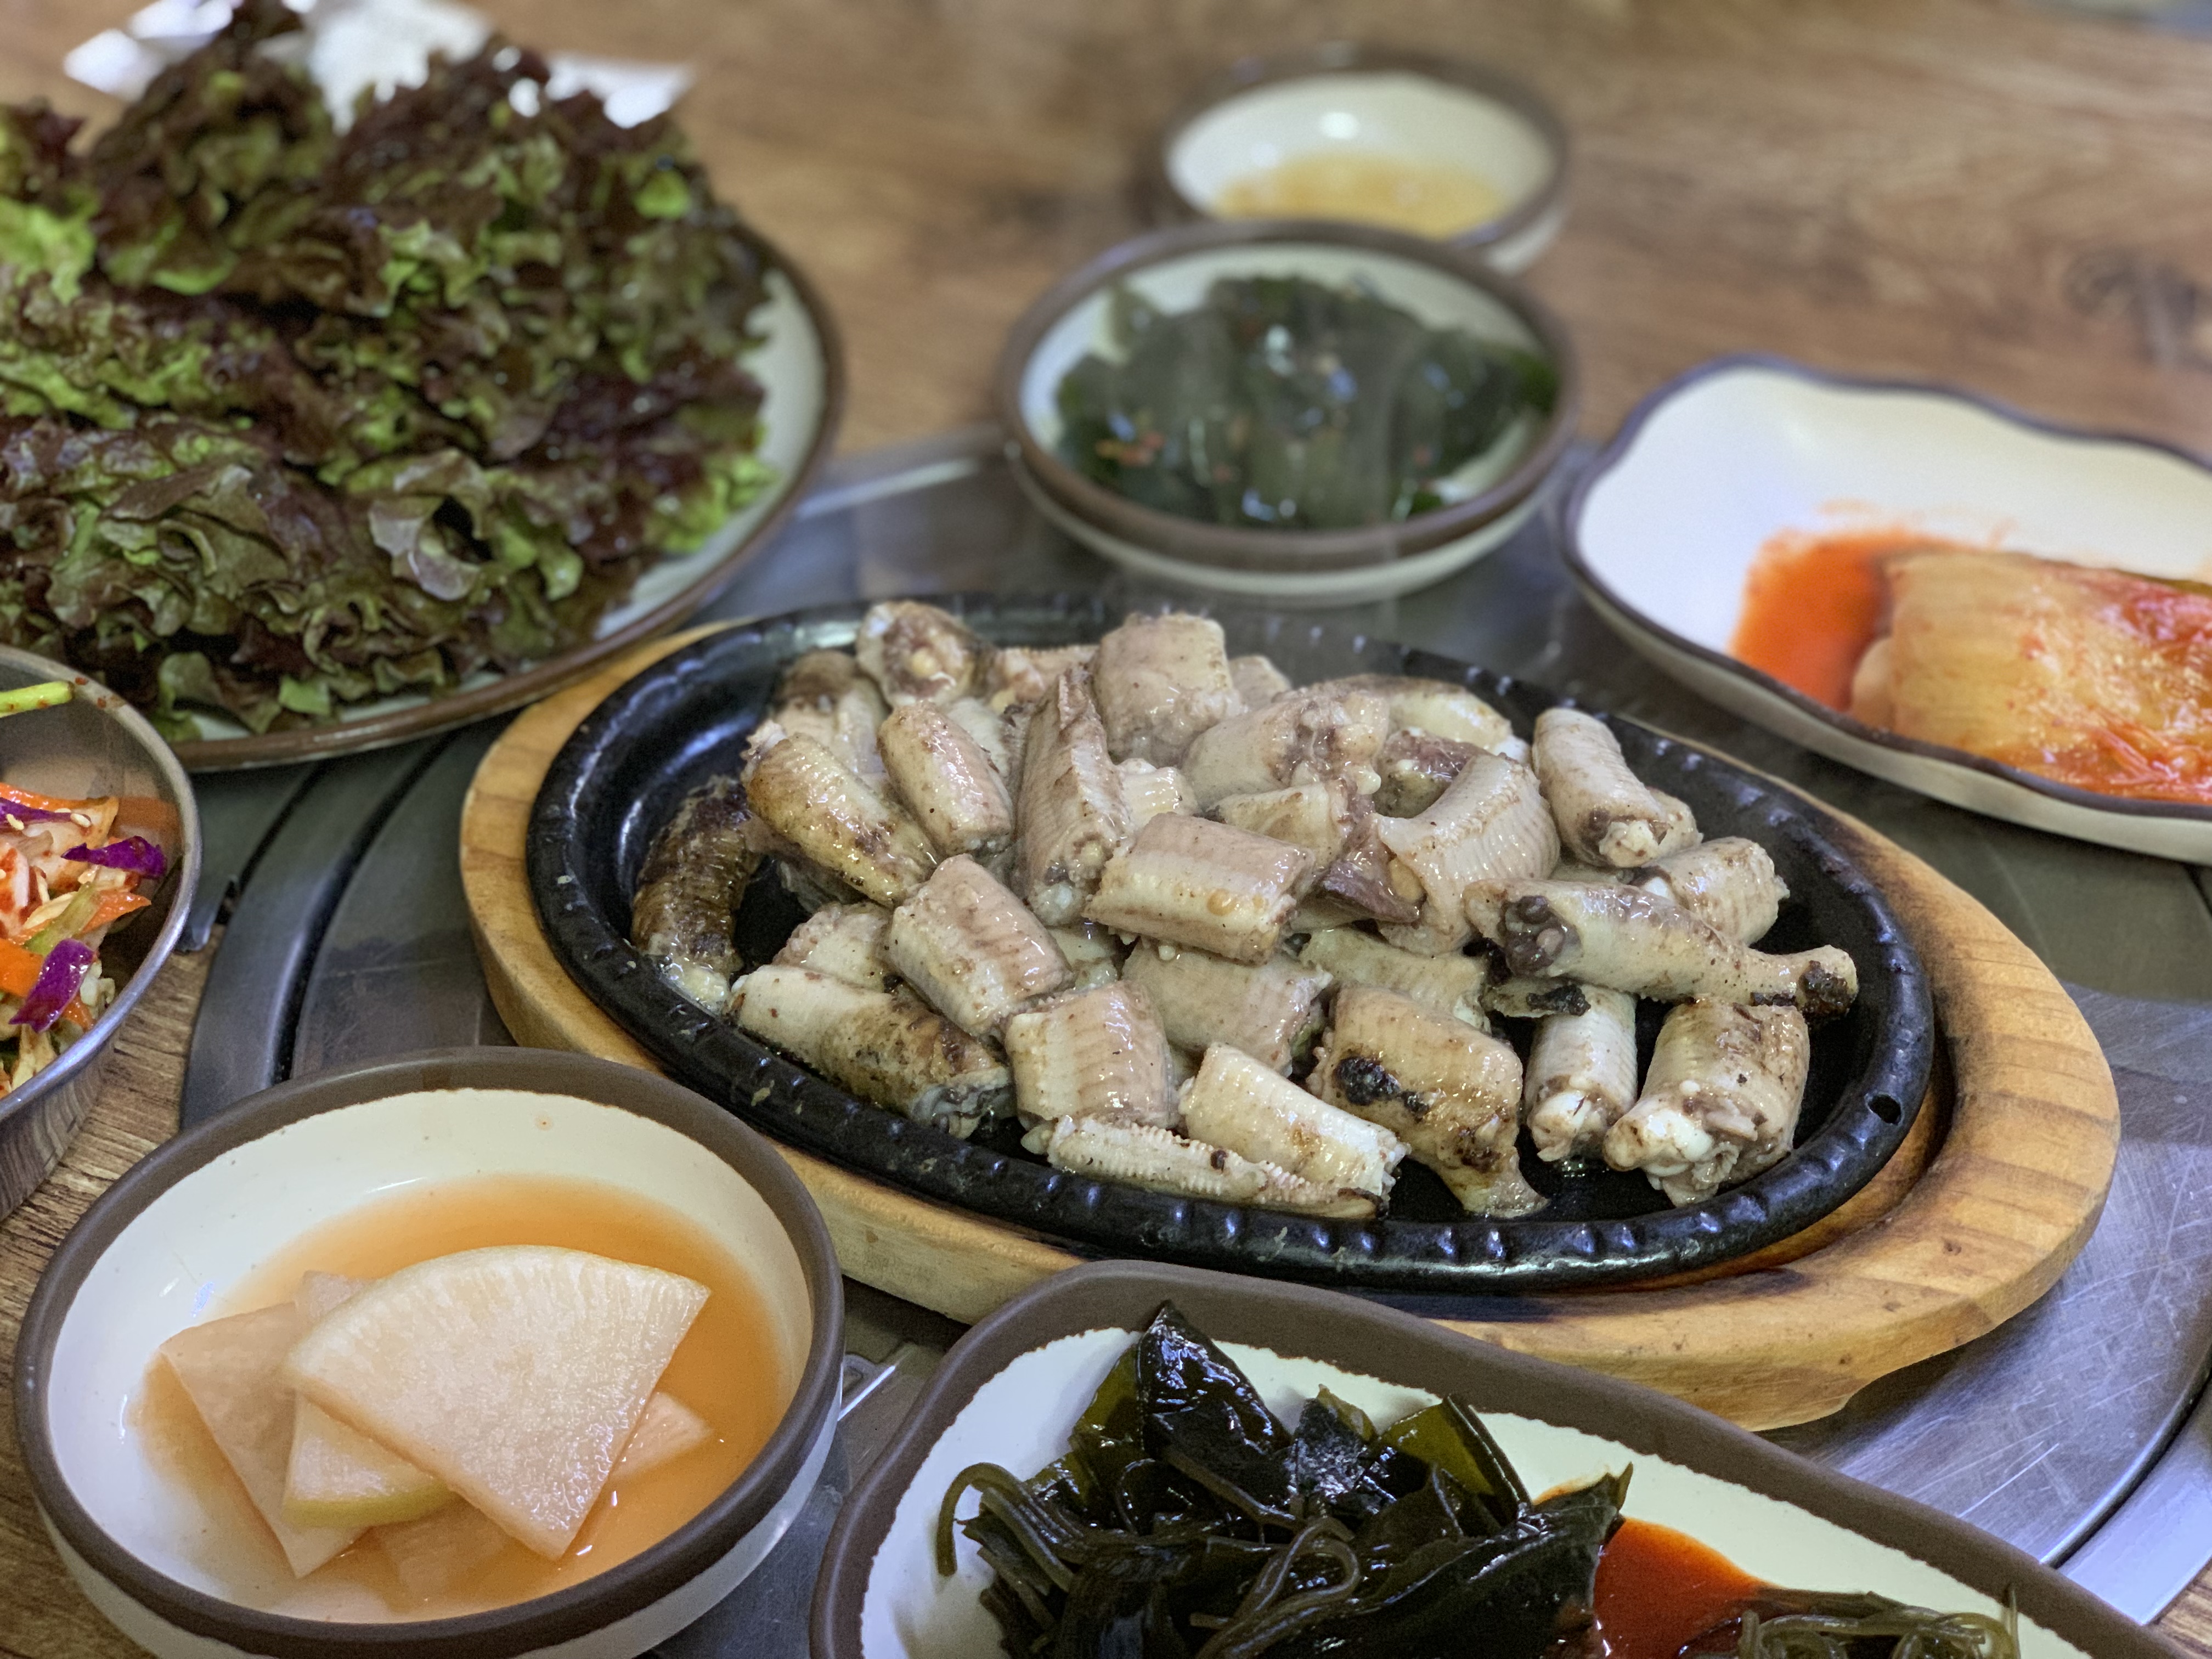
292, 417
1292, 404
1186, 1522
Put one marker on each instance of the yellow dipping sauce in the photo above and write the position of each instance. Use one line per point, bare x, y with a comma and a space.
1430, 198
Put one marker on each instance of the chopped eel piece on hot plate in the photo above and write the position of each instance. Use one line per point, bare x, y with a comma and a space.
1069, 806
824, 695
1257, 680
1607, 816
971, 949
1437, 708
1452, 1093
917, 653
1191, 881
889, 1047
1490, 825
1237, 1103
688, 890
1448, 985
1581, 1074
836, 820
1364, 882
1720, 1103
1089, 1054
1417, 767
845, 941
1160, 681
1270, 1010
948, 781
1316, 733
1615, 935
1091, 951
1730, 884
1316, 816
1148, 790
1162, 1161
1022, 676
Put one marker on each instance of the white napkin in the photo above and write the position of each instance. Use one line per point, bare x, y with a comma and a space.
353, 44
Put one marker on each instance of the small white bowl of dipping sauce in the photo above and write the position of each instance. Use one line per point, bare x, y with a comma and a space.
1453, 151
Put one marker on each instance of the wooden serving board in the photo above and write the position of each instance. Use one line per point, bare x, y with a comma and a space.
1995, 1192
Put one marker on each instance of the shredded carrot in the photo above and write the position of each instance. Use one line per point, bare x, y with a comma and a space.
114, 905
19, 969
43, 803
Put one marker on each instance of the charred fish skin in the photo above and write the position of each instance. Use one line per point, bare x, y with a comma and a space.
846, 942
1161, 1161
688, 888
1257, 680
1730, 884
1629, 939
1606, 815
1581, 1075
971, 949
1092, 1053
1148, 790
1191, 881
888, 1047
1239, 1105
1271, 1011
1160, 681
832, 817
1451, 986
1490, 824
1305, 735
947, 780
1070, 813
824, 695
1721, 1101
1452, 1093
1534, 999
917, 653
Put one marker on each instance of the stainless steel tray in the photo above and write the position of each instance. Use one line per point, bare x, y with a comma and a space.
2068, 1430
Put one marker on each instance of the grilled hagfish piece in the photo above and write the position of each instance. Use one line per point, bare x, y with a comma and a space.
845, 941
1452, 1093
1270, 1011
1091, 952
1315, 815
1721, 1101
1257, 680
1239, 1105
1359, 882
1623, 937
947, 780
1069, 807
1162, 1161
1490, 824
694, 874
1607, 816
1729, 885
1437, 708
1582, 1075
1160, 681
1416, 767
1314, 733
1191, 881
1148, 790
824, 695
971, 949
823, 808
885, 1046
917, 653
1534, 999
1447, 985
1091, 1054
1022, 676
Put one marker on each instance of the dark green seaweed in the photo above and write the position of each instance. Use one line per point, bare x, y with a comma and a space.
1288, 403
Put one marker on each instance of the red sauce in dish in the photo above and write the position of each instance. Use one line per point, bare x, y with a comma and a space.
1812, 605
1659, 1589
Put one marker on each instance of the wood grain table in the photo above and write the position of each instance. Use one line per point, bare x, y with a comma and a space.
2009, 195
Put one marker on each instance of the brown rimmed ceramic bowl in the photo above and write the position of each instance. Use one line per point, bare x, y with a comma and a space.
201, 1212
93, 746
801, 365
1011, 1389
1444, 286
1344, 98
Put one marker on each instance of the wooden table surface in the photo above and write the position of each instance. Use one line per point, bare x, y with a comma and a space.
2007, 196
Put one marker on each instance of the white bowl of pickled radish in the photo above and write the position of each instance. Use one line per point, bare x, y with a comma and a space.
577, 1331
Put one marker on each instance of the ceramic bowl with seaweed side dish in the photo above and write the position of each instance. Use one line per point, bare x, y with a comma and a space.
622, 773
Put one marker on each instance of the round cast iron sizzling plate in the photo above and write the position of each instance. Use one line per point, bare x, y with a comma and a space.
622, 773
